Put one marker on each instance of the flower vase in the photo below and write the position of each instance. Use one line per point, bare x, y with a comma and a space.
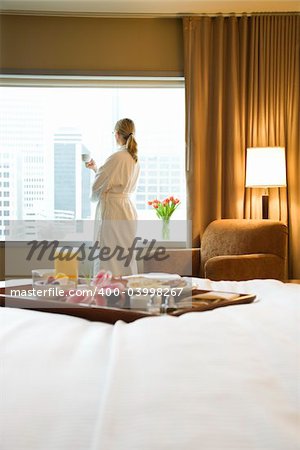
166, 230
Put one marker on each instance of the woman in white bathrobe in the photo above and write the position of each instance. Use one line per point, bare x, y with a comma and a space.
116, 216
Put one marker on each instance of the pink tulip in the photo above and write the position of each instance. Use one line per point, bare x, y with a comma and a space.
102, 277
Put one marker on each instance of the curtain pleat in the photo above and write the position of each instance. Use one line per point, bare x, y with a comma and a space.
242, 90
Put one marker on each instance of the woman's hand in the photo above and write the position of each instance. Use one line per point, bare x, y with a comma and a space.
91, 165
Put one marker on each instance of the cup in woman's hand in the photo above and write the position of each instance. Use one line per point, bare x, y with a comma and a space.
85, 157
91, 165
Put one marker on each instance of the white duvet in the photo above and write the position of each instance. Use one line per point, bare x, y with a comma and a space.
223, 379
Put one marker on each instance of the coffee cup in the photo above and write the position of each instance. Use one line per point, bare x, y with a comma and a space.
85, 157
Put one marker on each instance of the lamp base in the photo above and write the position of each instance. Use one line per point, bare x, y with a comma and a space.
265, 206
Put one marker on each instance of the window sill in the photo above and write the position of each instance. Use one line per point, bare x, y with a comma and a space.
165, 244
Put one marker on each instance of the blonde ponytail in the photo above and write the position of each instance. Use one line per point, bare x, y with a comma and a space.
126, 128
131, 146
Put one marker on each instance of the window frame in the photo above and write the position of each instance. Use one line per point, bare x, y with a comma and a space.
93, 81
89, 81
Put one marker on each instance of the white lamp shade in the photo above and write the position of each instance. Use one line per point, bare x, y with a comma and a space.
265, 167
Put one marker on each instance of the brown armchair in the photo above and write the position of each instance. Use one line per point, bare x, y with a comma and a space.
240, 249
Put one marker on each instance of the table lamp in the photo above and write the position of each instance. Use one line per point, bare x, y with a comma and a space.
265, 168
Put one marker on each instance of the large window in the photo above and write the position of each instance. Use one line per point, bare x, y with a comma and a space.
44, 130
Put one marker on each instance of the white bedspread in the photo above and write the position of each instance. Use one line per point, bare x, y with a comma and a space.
223, 379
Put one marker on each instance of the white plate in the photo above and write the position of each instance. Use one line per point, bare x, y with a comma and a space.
156, 275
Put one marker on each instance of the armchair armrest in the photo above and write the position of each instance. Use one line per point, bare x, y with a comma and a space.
245, 267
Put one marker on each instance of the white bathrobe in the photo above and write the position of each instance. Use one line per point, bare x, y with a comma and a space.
116, 216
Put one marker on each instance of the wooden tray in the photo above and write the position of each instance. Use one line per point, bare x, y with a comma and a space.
110, 314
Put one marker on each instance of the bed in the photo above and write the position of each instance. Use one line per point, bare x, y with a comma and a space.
222, 379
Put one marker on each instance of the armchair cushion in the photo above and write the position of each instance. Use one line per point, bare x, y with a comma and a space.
244, 267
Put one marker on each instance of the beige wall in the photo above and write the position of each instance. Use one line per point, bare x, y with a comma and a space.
96, 45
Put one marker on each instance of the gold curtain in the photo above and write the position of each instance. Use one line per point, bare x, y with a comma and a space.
242, 90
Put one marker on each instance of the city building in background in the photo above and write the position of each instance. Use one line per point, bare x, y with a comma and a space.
72, 181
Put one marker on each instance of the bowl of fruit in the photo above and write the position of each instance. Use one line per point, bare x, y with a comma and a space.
51, 285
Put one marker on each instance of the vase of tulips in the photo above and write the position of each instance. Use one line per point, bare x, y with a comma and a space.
164, 210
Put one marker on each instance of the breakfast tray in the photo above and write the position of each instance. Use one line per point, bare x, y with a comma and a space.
198, 300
